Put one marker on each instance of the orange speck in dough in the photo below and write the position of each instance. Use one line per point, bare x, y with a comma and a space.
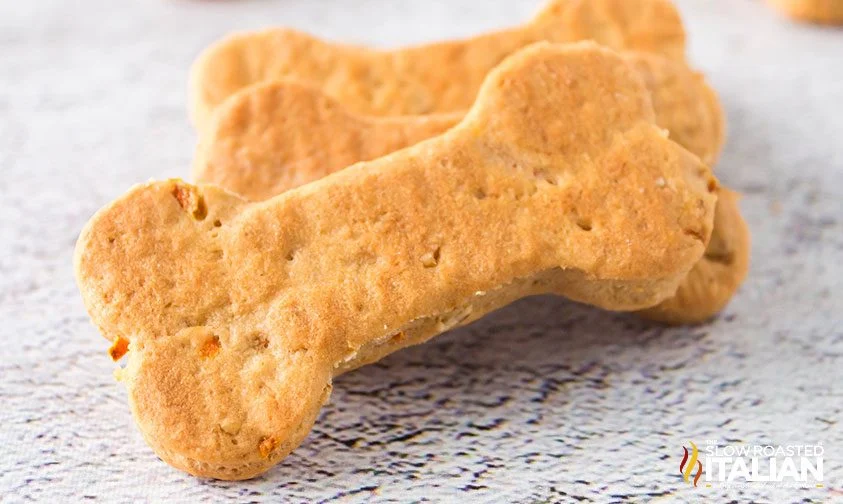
118, 348
267, 445
210, 348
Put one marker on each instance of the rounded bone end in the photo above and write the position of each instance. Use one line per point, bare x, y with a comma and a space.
716, 277
129, 259
654, 26
223, 406
237, 61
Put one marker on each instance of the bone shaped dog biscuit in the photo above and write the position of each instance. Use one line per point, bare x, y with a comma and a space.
240, 313
272, 137
433, 78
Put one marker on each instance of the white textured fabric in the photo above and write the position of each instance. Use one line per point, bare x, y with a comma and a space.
543, 401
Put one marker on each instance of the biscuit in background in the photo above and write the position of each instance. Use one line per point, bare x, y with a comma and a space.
434, 78
274, 136
817, 11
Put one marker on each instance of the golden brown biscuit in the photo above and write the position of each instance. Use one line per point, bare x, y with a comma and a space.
273, 136
433, 78
817, 11
238, 314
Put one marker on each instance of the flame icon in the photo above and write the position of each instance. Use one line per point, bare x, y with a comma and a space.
687, 466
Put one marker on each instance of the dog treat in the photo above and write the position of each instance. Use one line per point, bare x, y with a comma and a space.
817, 11
274, 136
433, 78
239, 314
715, 278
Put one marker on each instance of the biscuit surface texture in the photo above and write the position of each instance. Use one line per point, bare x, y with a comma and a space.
238, 314
421, 80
